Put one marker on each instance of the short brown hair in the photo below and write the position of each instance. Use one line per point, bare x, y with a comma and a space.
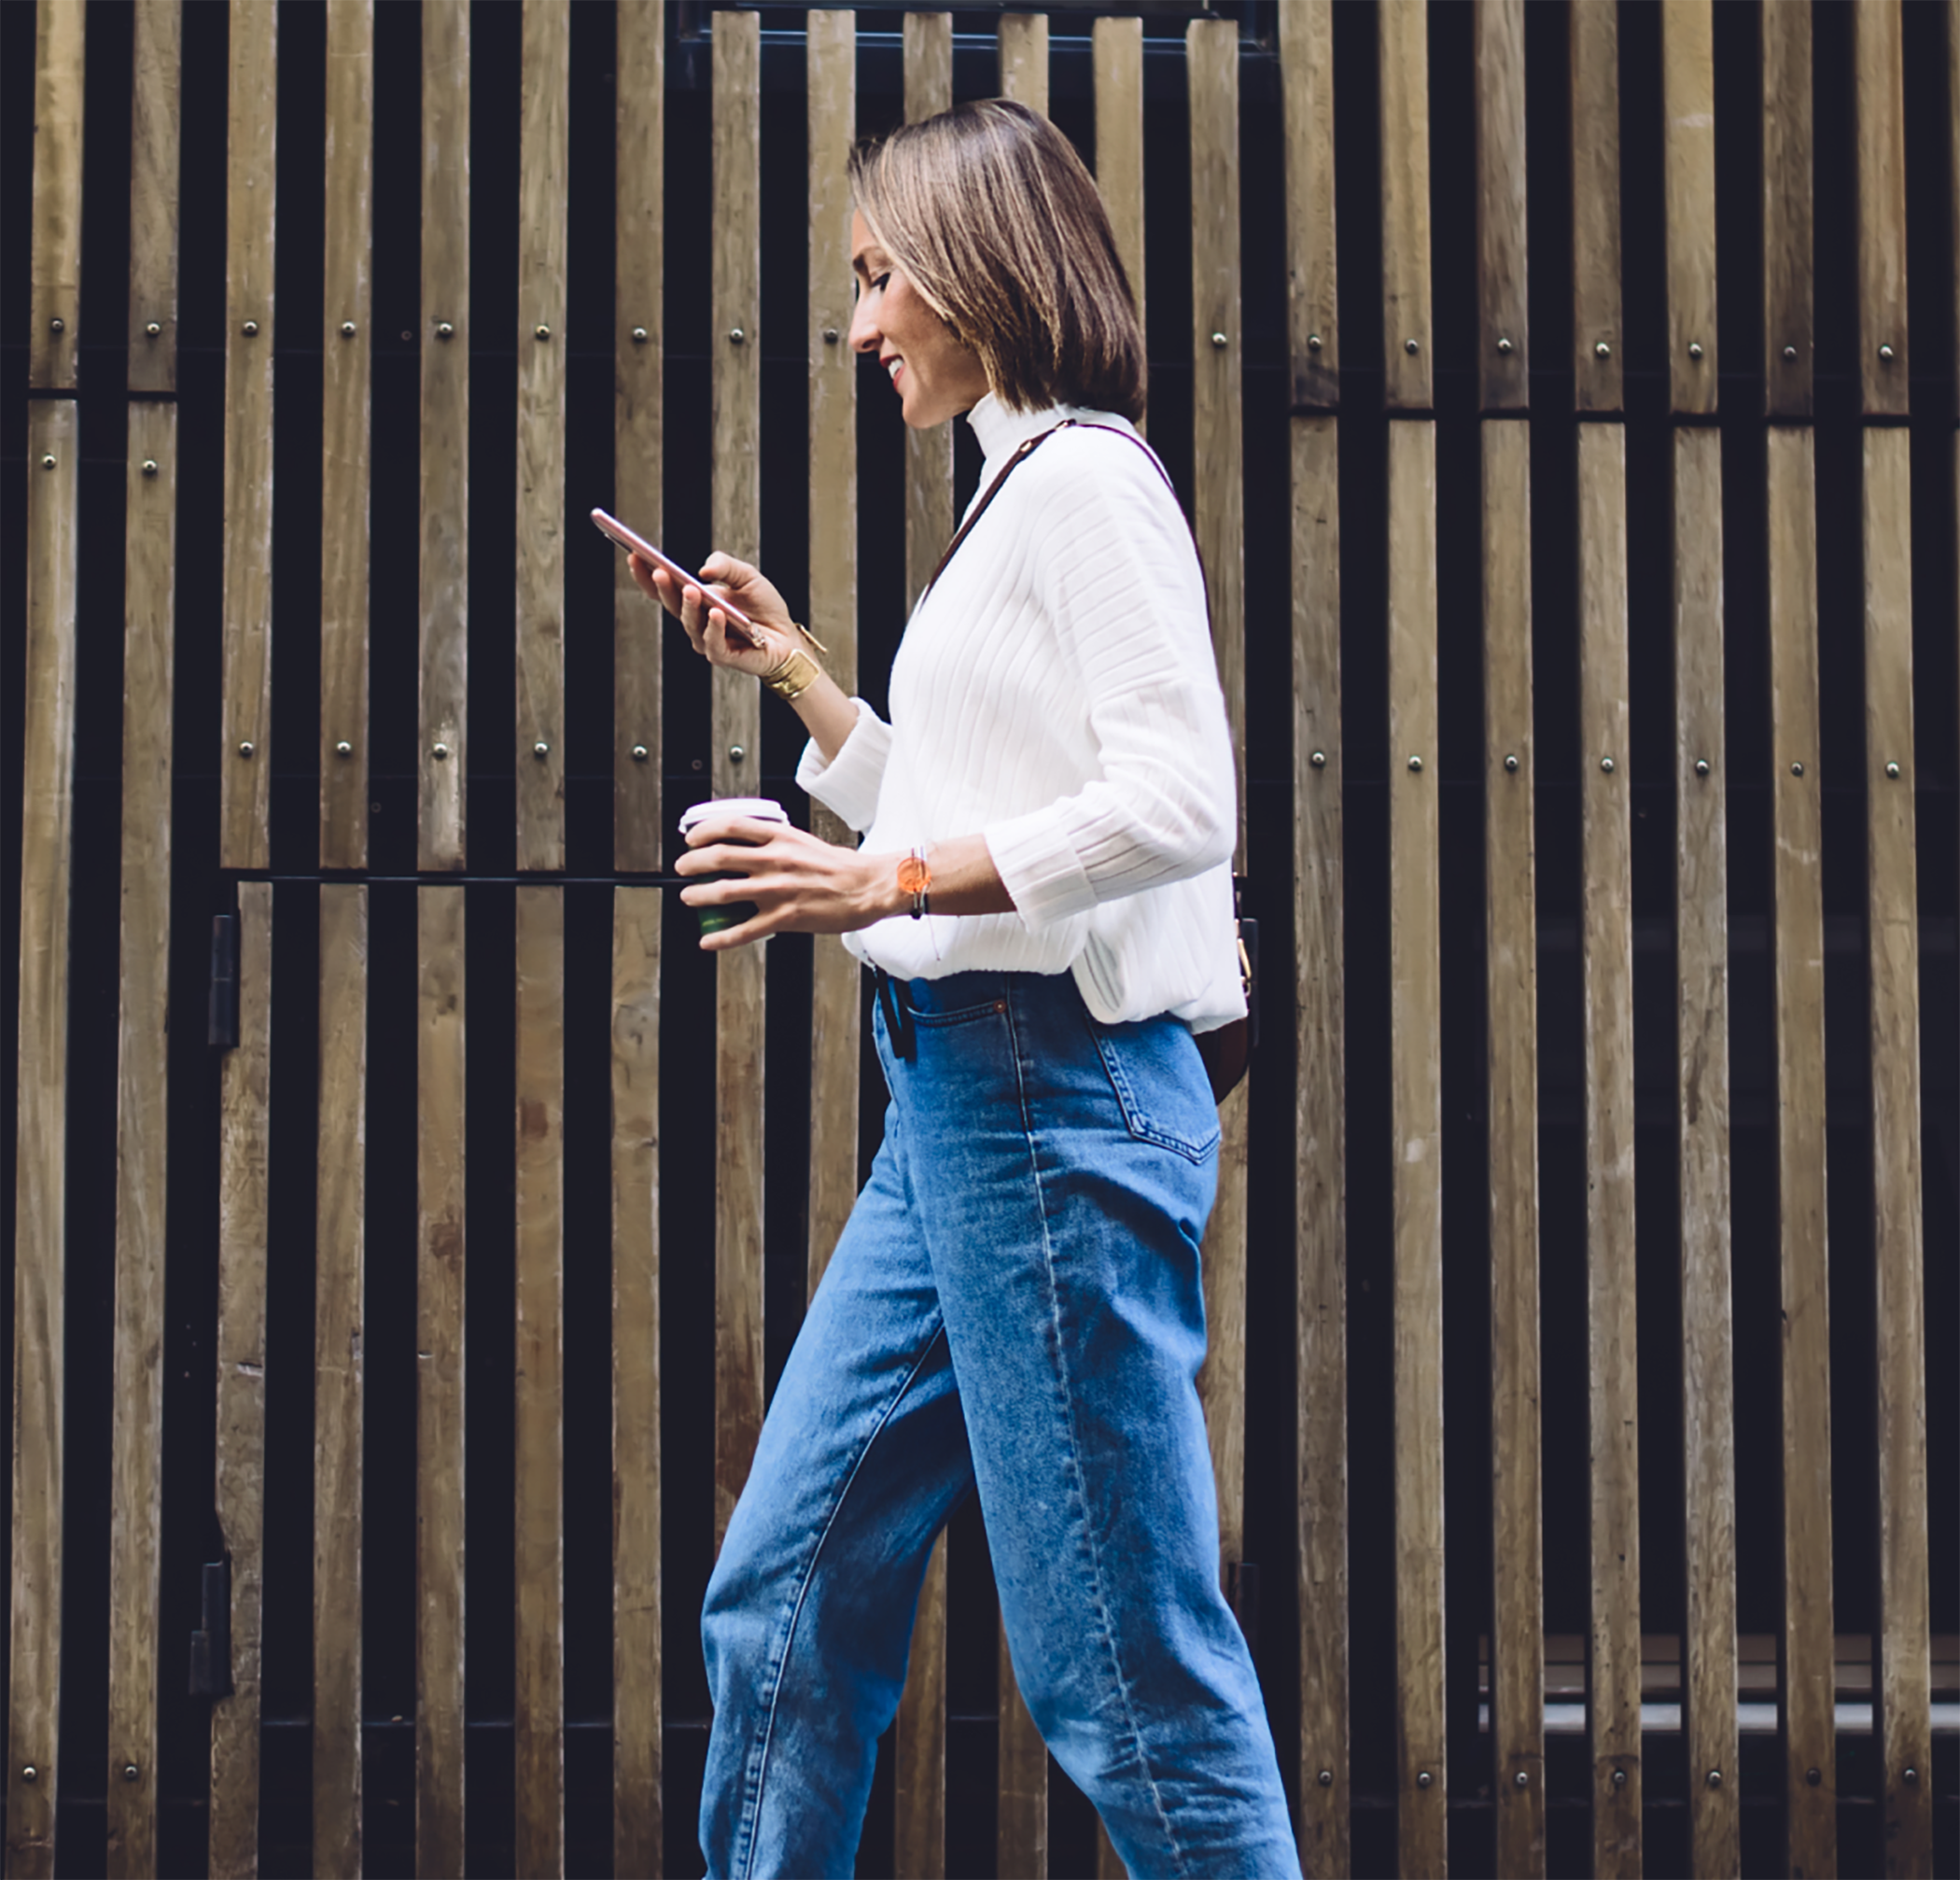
991, 215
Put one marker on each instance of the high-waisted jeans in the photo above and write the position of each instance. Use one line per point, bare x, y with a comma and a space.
1014, 1307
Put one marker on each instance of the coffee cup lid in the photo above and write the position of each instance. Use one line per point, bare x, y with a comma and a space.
756, 808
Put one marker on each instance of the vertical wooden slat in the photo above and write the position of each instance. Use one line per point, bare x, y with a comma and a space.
1788, 250
835, 1006
1879, 147
1401, 45
1701, 1022
1592, 74
929, 455
54, 295
1416, 1124
639, 1818
1024, 60
155, 122
1901, 1680
542, 206
339, 1331
1502, 361
1319, 1169
346, 353
442, 749
142, 1130
920, 1742
1116, 55
638, 351
1807, 1647
441, 1294
1516, 1488
1613, 1685
41, 1136
1687, 105
244, 1199
736, 518
539, 1749
1312, 305
244, 759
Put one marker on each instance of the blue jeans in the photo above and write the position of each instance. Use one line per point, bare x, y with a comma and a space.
1014, 1307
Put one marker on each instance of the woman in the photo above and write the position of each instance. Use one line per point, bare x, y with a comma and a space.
1044, 888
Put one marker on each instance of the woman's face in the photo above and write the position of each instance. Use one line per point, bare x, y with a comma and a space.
935, 377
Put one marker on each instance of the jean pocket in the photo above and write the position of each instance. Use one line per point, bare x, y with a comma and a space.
1161, 1086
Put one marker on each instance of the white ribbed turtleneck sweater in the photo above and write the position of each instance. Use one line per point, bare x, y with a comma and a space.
1056, 691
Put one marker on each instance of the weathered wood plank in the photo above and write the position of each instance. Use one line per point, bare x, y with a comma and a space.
1116, 55
441, 1297
340, 1314
1021, 1808
539, 1750
542, 201
1517, 1468
346, 356
1320, 1166
1024, 60
638, 424
920, 1736
1901, 1678
1592, 72
1312, 305
54, 293
1503, 304
1606, 968
1807, 1645
1702, 1031
245, 767
1878, 151
736, 515
1687, 107
244, 1200
929, 455
1403, 52
443, 750
639, 1818
41, 1137
142, 1139
1788, 251
155, 129
835, 1022
1416, 1125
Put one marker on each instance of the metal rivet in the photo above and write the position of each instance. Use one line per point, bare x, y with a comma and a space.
1423, 1778
1619, 1778
444, 330
1313, 346
57, 325
439, 751
639, 336
1702, 767
640, 754
1521, 1779
829, 336
346, 329
1813, 1776
1218, 339
735, 753
1327, 1778
1606, 764
1415, 764
149, 466
1694, 349
1601, 350
1910, 1774
48, 463
343, 749
737, 336
1886, 354
130, 1771
1411, 347
1714, 1778
541, 333
1789, 355
30, 1773
1510, 761
1891, 771
1504, 346
541, 751
250, 330
1318, 760
244, 750
155, 330
1796, 770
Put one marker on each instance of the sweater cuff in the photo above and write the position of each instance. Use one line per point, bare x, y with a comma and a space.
1039, 867
848, 785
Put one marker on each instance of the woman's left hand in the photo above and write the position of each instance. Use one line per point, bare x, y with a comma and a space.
799, 883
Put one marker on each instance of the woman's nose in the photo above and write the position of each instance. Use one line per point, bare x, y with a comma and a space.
863, 329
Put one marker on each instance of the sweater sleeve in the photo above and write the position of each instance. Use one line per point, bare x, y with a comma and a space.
847, 784
1117, 572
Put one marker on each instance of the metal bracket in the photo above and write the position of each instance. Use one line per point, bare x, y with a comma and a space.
210, 1645
221, 1028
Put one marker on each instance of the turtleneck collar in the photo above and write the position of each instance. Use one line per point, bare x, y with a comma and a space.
1002, 431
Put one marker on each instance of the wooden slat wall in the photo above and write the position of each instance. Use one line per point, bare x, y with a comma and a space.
441, 1297
735, 762
347, 350
54, 298
243, 1208
1687, 105
339, 1332
1117, 53
443, 748
155, 126
538, 1488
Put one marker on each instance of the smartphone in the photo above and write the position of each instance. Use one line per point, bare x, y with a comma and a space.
744, 629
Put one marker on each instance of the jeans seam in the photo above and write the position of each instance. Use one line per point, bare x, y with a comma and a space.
1074, 1456
744, 1862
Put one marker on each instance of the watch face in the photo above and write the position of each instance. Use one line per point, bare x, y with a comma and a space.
914, 876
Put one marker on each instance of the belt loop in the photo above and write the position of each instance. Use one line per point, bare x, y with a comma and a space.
898, 1014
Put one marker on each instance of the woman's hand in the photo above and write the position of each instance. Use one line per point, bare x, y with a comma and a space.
799, 883
708, 629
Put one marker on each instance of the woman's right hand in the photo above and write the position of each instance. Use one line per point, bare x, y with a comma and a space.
707, 627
